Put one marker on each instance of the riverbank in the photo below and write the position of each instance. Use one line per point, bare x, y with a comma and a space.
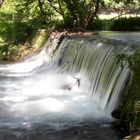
27, 49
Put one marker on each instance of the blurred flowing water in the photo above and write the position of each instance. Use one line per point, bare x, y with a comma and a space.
63, 92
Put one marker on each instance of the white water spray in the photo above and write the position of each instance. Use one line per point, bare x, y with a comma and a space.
62, 94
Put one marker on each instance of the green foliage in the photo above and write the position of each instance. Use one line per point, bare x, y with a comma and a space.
130, 111
76, 13
5, 30
20, 19
19, 22
97, 24
107, 23
21, 32
59, 25
121, 4
126, 24
6, 50
15, 32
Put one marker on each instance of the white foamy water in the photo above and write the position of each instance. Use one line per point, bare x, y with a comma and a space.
45, 97
29, 96
88, 87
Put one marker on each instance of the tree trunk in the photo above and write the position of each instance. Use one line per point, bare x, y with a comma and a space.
58, 10
94, 12
42, 11
97, 5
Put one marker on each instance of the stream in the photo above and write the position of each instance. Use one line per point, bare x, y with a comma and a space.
68, 95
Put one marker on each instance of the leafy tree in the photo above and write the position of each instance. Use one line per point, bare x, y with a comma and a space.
122, 5
77, 13
42, 10
21, 18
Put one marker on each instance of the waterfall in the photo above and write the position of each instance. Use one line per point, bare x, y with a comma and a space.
96, 60
77, 79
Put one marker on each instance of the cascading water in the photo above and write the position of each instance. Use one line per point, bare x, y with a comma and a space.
76, 82
96, 60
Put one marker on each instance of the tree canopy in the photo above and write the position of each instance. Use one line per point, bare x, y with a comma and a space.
21, 18
75, 13
78, 13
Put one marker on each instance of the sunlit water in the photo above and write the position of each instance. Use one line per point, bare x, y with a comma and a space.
132, 37
47, 102
44, 96
36, 95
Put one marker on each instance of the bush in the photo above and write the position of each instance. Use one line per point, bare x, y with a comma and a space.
59, 24
6, 30
126, 24
96, 24
7, 50
16, 32
21, 32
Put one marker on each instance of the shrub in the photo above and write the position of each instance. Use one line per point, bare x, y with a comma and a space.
97, 24
7, 50
126, 24
21, 32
